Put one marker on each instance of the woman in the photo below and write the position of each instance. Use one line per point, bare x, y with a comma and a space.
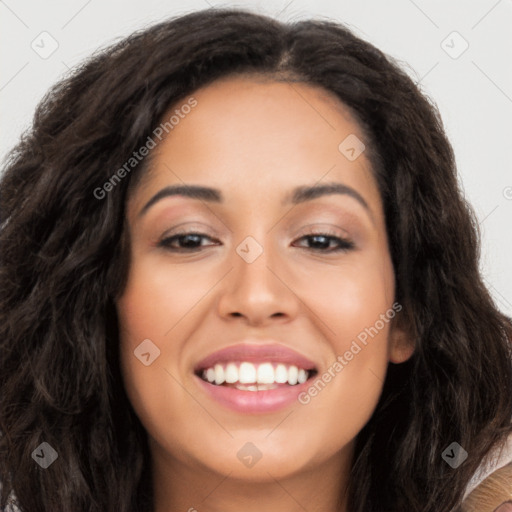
331, 346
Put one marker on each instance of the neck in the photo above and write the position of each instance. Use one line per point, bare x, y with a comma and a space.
182, 487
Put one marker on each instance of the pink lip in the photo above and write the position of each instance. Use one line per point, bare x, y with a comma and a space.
254, 401
269, 352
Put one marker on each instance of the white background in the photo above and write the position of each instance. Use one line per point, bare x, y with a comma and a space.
472, 91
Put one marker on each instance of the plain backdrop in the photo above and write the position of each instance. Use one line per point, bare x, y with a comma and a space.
459, 52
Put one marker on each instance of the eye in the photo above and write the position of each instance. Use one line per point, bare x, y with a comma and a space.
322, 242
191, 242
187, 242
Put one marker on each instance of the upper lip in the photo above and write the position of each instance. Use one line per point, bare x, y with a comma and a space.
263, 351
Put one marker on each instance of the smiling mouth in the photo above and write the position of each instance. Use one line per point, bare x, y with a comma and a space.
248, 376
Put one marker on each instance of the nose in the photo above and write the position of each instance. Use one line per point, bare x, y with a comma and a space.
259, 292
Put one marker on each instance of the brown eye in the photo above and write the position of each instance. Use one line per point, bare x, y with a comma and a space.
321, 242
186, 242
318, 242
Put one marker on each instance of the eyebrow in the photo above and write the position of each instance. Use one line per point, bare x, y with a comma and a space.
298, 195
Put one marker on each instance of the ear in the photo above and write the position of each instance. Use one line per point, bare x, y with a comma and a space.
401, 345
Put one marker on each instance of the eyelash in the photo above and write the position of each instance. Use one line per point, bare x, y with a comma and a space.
344, 244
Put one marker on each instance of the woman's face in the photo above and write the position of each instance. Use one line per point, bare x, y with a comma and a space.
259, 283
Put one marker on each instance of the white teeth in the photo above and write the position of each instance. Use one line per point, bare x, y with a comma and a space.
255, 387
281, 374
219, 374
302, 376
247, 373
255, 377
265, 374
293, 373
210, 375
231, 373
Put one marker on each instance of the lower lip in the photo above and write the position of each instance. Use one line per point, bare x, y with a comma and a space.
253, 401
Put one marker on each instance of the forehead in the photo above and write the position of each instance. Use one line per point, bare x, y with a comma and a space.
248, 135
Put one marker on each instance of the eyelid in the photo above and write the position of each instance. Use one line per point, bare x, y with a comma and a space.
323, 229
308, 229
190, 227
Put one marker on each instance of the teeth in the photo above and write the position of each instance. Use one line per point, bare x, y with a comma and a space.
210, 375
219, 374
265, 374
255, 377
293, 373
231, 373
255, 387
281, 374
247, 373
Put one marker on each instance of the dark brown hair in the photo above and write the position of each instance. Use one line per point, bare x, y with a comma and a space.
63, 261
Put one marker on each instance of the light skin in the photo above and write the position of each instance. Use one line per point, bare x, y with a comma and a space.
255, 141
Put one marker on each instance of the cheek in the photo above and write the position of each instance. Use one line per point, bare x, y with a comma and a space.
161, 303
157, 295
349, 297
147, 312
153, 383
354, 304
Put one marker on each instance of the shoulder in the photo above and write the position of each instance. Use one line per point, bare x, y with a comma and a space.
492, 483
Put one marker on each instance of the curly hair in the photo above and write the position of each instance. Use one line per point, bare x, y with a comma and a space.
64, 260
